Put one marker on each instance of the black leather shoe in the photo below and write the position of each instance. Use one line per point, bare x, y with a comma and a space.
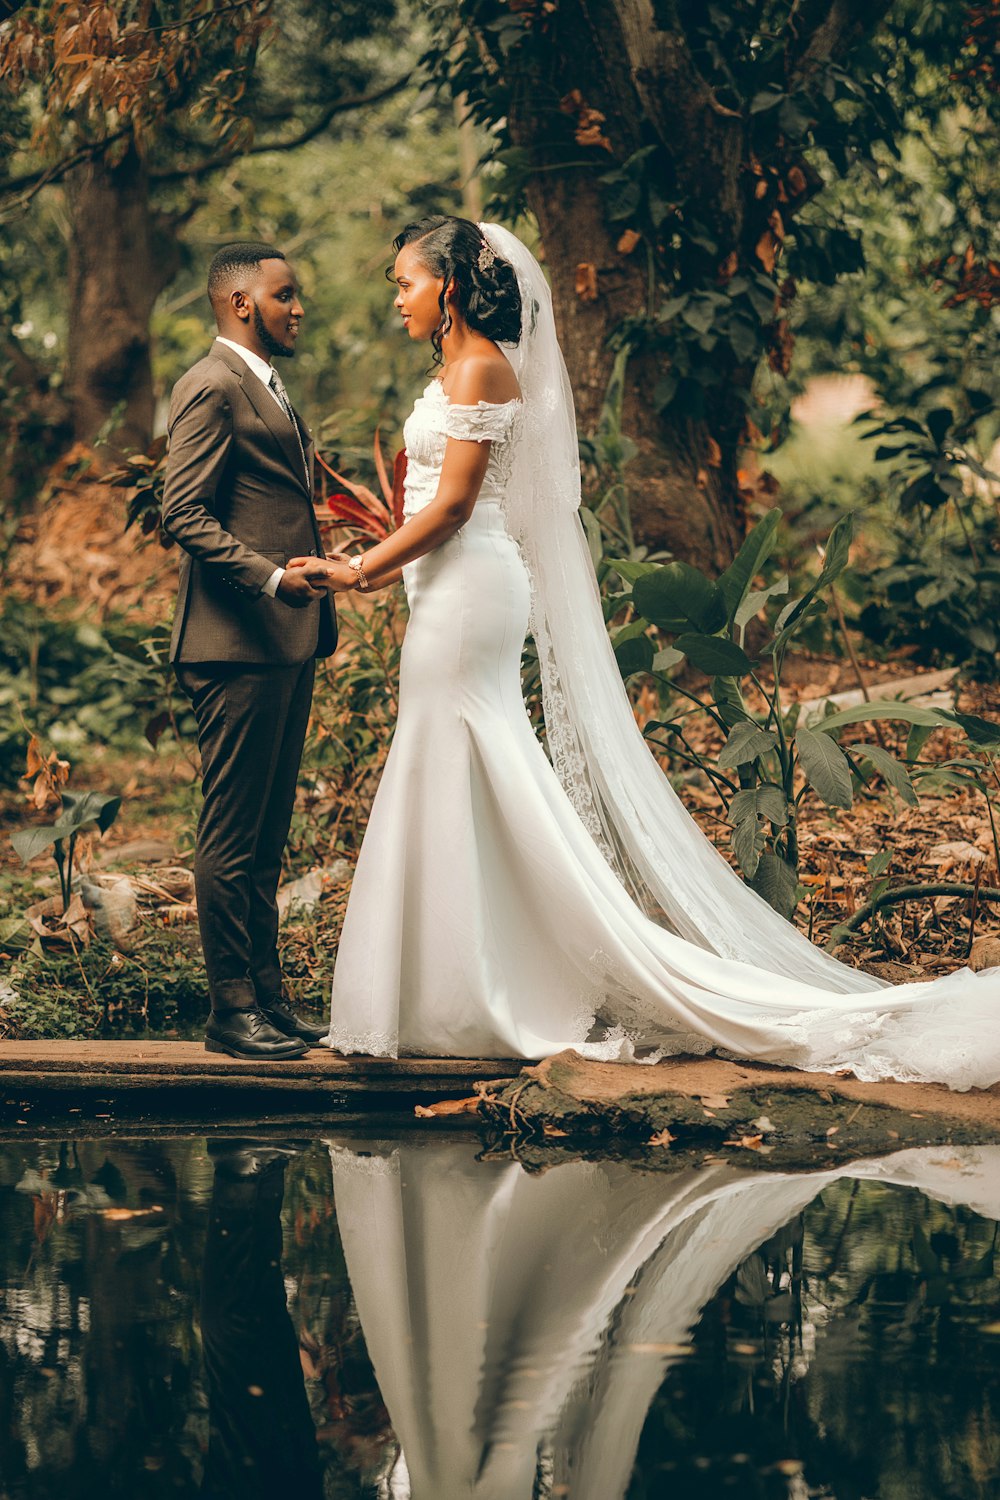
284, 1019
248, 1033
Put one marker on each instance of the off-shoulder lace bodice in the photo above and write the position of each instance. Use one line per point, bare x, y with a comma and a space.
433, 420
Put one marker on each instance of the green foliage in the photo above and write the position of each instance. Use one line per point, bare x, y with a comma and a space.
719, 279
79, 811
159, 986
942, 590
354, 713
768, 762
80, 684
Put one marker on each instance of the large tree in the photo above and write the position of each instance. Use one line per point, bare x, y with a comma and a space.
132, 107
674, 154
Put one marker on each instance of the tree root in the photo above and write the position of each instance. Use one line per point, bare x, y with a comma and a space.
909, 893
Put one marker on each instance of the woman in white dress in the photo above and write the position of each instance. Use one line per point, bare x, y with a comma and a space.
501, 903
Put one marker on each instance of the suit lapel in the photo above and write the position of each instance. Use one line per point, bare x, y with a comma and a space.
269, 412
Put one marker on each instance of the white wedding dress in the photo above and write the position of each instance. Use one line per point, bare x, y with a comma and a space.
519, 1320
500, 905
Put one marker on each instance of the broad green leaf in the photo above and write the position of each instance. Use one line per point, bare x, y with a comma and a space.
890, 769
90, 807
714, 655
983, 732
880, 862
629, 632
32, 841
634, 655
748, 844
592, 531
677, 597
728, 700
766, 801
754, 602
885, 708
778, 883
917, 739
630, 571
745, 743
826, 767
748, 562
667, 658
838, 549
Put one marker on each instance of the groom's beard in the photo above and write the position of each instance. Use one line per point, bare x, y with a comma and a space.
269, 342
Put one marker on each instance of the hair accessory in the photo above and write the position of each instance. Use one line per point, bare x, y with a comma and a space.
487, 256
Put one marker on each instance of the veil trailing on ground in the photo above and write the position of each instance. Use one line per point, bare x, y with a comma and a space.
623, 797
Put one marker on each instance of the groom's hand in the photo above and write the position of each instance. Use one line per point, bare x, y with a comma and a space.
297, 588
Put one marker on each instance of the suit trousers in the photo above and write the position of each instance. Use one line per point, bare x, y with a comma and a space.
251, 730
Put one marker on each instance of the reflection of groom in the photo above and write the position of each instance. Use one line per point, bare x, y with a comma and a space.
238, 498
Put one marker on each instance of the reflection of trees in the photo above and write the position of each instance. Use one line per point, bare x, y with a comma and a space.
99, 1252
101, 1388
824, 1351
846, 1343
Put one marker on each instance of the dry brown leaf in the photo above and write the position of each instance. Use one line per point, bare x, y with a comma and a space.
795, 182
747, 1142
714, 1101
661, 1138
447, 1107
49, 774
124, 1215
552, 1130
586, 281
766, 250
628, 241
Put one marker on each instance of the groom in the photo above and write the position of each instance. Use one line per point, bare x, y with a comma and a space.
237, 496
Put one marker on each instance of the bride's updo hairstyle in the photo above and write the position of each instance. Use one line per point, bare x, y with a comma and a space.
486, 293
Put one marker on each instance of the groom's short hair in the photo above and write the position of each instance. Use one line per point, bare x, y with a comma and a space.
235, 261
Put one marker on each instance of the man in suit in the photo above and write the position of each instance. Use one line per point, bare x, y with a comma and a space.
238, 498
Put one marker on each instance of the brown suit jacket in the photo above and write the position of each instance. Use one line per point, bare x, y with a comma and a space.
238, 500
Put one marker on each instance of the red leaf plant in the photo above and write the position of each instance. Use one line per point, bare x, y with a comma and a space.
359, 511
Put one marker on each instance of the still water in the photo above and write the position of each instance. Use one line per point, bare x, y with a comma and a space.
410, 1320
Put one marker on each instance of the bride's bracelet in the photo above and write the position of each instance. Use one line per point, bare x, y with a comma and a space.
358, 564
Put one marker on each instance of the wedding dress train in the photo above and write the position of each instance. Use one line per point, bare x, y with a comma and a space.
500, 902
513, 1316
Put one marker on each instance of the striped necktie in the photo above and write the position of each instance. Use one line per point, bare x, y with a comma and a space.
278, 387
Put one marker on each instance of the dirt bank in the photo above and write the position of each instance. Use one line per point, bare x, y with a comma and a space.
732, 1106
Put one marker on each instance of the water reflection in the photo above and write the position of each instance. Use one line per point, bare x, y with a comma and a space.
176, 1320
262, 1438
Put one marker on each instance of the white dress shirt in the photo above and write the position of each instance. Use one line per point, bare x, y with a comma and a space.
262, 369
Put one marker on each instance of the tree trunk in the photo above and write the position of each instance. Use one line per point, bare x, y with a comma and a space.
119, 262
652, 150
683, 491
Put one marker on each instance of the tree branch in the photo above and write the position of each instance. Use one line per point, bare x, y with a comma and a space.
828, 31
29, 184
214, 163
33, 182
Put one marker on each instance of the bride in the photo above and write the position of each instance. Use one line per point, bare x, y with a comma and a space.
509, 905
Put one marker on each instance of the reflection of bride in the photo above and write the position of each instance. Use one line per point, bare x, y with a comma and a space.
518, 1321
499, 906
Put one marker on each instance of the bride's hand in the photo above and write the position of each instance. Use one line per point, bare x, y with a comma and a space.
332, 574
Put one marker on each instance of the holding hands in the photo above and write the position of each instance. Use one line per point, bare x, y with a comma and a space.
334, 573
